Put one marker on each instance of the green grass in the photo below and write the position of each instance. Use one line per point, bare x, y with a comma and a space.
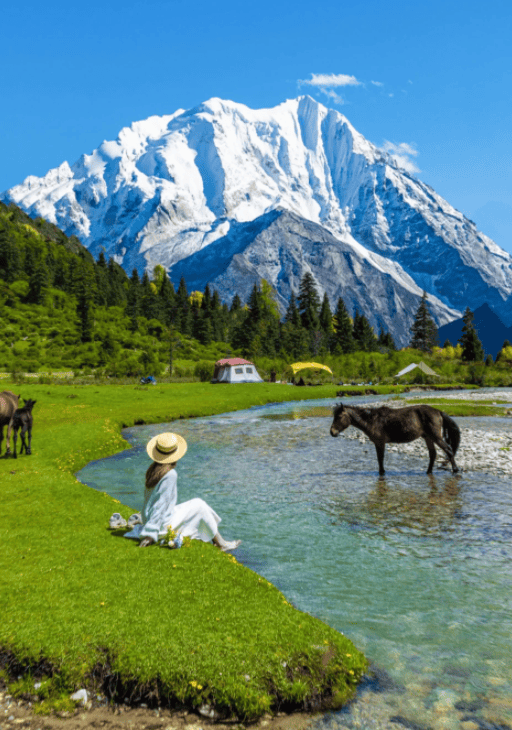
453, 407
82, 606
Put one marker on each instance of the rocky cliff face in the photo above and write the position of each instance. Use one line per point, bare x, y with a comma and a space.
281, 247
170, 188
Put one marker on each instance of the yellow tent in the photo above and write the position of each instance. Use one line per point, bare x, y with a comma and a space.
315, 365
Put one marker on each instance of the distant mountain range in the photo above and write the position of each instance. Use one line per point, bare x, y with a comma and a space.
229, 195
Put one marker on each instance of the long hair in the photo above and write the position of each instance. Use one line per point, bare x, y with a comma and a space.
155, 472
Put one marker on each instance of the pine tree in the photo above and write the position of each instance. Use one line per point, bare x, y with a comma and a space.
363, 333
150, 302
236, 304
386, 340
167, 298
292, 313
325, 318
343, 340
118, 285
102, 281
183, 319
424, 329
471, 346
38, 281
10, 260
309, 302
133, 300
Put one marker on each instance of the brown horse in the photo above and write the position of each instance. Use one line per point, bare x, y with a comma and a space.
8, 405
400, 425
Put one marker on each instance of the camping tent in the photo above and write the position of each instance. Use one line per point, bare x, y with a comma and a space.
314, 365
421, 365
235, 370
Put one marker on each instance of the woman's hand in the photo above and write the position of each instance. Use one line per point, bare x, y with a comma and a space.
146, 541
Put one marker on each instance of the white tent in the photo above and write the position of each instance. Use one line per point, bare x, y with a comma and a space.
421, 365
235, 370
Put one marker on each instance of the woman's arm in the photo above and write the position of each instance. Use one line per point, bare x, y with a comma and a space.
159, 507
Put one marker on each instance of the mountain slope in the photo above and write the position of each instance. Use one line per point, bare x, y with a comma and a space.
171, 186
281, 247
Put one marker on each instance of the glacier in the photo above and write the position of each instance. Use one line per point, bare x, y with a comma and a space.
172, 188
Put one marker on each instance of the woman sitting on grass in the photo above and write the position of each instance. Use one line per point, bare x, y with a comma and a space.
194, 519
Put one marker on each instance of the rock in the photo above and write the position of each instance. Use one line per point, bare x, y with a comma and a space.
80, 696
208, 711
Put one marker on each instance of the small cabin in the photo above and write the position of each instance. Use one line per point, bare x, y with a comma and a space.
235, 370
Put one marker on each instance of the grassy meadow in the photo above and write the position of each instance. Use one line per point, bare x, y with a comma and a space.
179, 628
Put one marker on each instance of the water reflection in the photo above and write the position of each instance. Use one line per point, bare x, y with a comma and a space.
414, 568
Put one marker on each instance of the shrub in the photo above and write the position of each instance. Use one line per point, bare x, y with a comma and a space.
204, 371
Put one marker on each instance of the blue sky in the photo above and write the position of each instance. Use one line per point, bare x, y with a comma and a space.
430, 80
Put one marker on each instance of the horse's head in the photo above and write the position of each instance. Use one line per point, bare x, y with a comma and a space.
341, 420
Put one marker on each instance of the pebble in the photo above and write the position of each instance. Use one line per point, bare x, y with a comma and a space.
80, 696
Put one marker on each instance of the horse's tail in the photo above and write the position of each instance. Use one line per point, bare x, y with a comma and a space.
451, 433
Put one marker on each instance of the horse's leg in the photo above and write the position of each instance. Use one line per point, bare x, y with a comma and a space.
8, 439
431, 452
14, 440
23, 443
379, 448
28, 431
447, 450
28, 450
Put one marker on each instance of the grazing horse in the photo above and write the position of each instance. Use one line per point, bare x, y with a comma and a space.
22, 419
8, 405
399, 425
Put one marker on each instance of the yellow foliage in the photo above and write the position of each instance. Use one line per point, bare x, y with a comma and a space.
196, 297
448, 353
506, 353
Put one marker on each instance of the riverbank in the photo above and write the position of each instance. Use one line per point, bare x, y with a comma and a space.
184, 629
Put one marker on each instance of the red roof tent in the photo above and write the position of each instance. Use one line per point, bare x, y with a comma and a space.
233, 361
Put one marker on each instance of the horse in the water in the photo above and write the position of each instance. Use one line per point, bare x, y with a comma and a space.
400, 425
8, 405
22, 419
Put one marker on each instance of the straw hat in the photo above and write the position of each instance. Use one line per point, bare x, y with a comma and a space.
166, 448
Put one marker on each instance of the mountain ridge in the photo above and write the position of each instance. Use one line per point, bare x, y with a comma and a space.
169, 187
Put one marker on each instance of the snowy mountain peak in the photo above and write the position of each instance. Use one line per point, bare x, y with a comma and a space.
170, 186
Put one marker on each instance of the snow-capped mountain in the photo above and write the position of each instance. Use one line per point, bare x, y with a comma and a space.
194, 181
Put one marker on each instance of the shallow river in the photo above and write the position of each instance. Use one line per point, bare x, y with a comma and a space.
416, 570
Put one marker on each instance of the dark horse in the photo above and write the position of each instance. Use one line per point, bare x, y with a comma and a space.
8, 405
22, 419
399, 425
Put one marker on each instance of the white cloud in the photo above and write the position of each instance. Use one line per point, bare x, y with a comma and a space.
377, 83
332, 95
330, 80
402, 154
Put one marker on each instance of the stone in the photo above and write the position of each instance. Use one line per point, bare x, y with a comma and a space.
80, 696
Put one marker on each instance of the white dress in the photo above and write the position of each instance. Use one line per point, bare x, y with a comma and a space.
194, 519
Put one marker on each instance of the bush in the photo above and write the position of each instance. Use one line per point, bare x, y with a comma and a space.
204, 371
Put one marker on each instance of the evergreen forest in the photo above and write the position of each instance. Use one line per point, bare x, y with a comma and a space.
63, 310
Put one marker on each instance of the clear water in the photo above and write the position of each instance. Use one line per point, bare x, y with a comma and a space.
416, 570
